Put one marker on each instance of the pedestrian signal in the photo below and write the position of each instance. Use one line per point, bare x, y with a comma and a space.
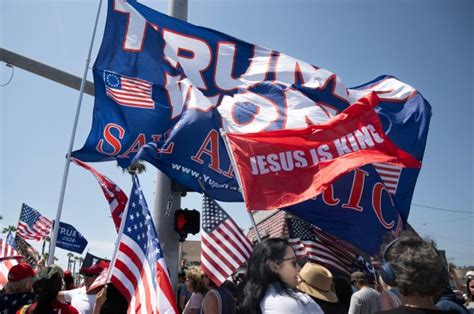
187, 221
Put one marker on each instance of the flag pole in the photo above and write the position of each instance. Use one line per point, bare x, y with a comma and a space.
239, 182
52, 244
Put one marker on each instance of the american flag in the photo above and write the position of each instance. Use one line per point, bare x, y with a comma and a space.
126, 91
273, 226
324, 249
114, 195
9, 257
390, 176
32, 225
6, 249
224, 247
99, 282
138, 270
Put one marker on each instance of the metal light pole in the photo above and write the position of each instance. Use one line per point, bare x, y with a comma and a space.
163, 215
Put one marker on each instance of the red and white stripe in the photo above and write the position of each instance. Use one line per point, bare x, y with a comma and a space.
9, 257
133, 92
223, 251
115, 196
6, 250
132, 276
390, 176
273, 227
40, 230
325, 250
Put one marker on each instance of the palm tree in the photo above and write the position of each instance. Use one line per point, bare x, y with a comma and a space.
74, 267
46, 257
10, 228
136, 167
69, 260
48, 239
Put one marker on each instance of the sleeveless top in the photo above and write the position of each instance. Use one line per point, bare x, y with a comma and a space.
225, 301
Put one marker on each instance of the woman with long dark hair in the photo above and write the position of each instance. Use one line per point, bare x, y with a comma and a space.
272, 272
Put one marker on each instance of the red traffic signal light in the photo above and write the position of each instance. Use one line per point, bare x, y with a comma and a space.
187, 221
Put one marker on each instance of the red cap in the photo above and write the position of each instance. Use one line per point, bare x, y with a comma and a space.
67, 273
94, 270
20, 271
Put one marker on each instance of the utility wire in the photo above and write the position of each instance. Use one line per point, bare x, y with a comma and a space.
444, 209
447, 220
447, 238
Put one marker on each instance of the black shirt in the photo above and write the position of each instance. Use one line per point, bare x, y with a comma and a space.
415, 310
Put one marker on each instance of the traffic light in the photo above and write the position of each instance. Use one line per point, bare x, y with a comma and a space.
186, 221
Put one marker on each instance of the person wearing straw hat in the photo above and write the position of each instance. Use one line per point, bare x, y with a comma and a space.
316, 281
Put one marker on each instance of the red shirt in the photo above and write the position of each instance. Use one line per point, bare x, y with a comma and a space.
58, 307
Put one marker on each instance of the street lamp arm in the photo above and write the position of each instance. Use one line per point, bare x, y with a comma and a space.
45, 71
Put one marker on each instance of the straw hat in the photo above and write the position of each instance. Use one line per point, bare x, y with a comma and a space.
316, 281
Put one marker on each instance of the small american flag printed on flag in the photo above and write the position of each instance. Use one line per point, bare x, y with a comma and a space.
32, 225
390, 176
139, 271
224, 247
127, 91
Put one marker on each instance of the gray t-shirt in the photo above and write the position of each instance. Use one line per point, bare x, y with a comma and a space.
364, 301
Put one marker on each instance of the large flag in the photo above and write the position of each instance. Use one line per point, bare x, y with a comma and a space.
70, 239
32, 225
321, 248
9, 257
114, 195
139, 271
286, 167
203, 80
224, 247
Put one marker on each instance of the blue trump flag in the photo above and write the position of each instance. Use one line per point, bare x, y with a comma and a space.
70, 239
168, 86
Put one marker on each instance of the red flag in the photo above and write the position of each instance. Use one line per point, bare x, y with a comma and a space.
285, 167
115, 196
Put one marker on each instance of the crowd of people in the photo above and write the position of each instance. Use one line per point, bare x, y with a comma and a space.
412, 278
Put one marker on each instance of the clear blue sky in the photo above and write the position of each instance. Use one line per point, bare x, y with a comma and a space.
427, 44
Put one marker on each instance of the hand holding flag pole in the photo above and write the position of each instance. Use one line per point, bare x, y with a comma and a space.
237, 175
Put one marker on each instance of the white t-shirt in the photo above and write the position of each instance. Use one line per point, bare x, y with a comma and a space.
276, 301
83, 302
